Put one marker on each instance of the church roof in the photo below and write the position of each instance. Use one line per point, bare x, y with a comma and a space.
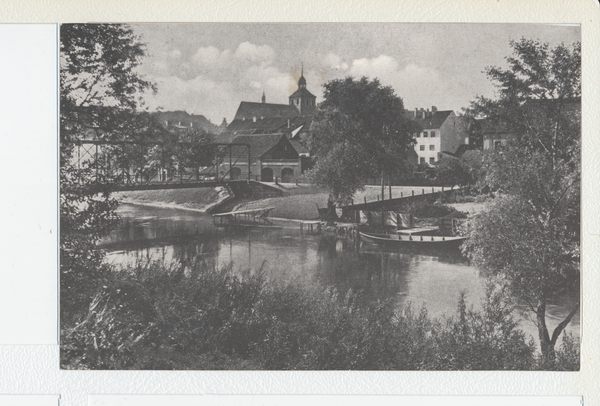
268, 124
302, 92
435, 121
259, 144
249, 110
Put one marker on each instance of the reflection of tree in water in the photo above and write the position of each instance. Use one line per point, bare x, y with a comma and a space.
200, 250
377, 273
374, 275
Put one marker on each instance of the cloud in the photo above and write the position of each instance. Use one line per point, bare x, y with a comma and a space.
175, 54
211, 57
263, 54
333, 61
382, 67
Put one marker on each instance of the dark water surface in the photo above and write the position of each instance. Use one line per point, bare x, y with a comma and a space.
433, 279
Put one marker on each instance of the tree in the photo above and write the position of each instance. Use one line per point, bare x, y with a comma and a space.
452, 171
530, 236
360, 131
99, 94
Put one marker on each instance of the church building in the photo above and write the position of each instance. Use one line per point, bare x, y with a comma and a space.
275, 133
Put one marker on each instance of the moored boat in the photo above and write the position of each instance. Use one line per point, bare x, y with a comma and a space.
410, 240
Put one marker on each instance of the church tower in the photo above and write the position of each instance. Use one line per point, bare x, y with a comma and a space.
302, 99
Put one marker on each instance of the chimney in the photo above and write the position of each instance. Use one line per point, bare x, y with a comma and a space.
433, 109
417, 112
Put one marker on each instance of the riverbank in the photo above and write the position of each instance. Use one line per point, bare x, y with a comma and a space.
299, 202
196, 199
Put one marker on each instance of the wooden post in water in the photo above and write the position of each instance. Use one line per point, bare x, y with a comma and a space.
390, 187
365, 199
382, 187
413, 191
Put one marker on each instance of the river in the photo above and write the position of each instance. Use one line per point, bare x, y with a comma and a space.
431, 279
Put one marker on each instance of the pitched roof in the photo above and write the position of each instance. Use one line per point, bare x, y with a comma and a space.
183, 117
302, 92
259, 144
268, 124
435, 121
299, 147
249, 110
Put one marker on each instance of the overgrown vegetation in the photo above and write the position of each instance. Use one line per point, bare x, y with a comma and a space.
157, 317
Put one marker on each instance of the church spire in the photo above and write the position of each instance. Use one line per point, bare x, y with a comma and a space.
302, 81
263, 98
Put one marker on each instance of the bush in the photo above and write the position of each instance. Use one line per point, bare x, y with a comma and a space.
158, 317
430, 210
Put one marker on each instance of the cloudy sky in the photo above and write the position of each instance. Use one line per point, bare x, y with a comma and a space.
209, 68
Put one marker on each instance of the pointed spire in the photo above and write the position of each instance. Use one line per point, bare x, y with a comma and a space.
302, 81
263, 98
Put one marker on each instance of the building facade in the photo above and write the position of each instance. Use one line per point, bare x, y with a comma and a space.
442, 133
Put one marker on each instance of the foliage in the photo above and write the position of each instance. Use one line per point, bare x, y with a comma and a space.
487, 340
99, 95
530, 236
197, 317
360, 131
452, 172
431, 209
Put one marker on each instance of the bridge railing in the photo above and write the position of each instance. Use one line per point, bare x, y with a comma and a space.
129, 164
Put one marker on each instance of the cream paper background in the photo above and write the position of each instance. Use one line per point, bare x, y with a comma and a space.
28, 171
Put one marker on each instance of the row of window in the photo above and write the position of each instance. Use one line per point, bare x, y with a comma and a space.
427, 134
431, 147
422, 161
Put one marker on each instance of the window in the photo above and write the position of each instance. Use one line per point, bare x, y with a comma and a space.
497, 144
425, 134
422, 161
418, 135
432, 134
431, 160
422, 147
432, 147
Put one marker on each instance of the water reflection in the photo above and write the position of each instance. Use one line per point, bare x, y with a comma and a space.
431, 278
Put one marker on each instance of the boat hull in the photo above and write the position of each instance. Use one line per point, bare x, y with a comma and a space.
411, 241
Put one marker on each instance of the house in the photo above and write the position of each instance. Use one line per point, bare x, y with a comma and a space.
442, 133
497, 134
272, 156
181, 120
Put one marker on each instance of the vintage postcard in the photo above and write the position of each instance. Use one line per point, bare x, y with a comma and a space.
331, 196
398, 201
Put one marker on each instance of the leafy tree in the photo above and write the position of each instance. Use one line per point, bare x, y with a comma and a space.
99, 96
360, 131
452, 171
531, 235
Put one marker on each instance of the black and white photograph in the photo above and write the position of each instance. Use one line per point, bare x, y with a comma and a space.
320, 196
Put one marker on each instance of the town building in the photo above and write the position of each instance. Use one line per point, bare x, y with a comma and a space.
272, 157
443, 133
181, 120
275, 134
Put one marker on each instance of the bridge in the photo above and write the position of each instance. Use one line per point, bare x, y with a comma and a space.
149, 165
